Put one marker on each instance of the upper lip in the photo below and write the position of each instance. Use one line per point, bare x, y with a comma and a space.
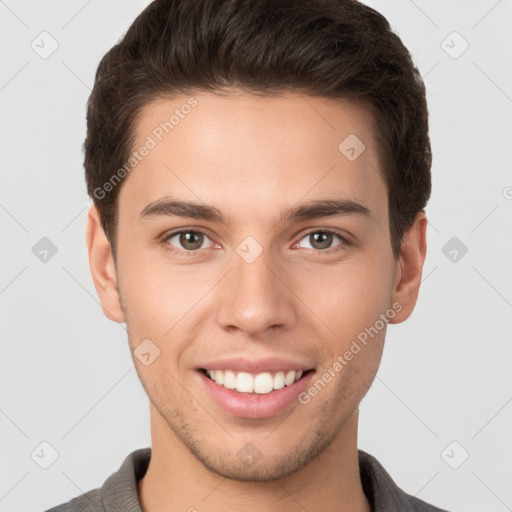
271, 364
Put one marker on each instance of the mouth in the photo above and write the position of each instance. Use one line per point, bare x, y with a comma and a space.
261, 383
255, 388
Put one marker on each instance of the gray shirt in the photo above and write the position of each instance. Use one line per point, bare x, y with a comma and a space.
119, 492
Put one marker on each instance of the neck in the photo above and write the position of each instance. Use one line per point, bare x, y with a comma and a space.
177, 480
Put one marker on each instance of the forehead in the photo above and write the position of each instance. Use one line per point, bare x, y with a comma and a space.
239, 151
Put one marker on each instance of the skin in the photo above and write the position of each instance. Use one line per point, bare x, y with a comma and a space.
253, 158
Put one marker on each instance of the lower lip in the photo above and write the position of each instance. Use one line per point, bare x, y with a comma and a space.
256, 406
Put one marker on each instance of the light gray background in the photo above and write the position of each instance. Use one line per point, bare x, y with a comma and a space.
66, 373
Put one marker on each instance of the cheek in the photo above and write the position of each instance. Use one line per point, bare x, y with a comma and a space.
157, 294
348, 298
165, 304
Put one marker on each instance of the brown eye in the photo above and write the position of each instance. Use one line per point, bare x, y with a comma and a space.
188, 240
321, 240
191, 240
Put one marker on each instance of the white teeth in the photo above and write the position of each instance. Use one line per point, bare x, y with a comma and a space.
229, 379
262, 383
218, 377
244, 383
279, 380
290, 378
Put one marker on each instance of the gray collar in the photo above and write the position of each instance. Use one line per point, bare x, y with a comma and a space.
119, 492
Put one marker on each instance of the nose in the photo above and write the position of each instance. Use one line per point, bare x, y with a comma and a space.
255, 297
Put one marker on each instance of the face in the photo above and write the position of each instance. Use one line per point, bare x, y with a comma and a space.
255, 250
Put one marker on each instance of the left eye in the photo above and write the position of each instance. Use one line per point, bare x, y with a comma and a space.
320, 240
189, 240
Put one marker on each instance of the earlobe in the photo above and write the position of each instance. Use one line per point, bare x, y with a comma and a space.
102, 267
409, 267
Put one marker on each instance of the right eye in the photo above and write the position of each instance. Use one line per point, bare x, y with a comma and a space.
185, 241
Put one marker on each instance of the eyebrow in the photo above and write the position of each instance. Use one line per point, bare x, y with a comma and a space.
307, 211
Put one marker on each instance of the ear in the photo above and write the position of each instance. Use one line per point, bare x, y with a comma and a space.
409, 267
102, 267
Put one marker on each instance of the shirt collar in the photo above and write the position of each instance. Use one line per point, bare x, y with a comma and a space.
120, 491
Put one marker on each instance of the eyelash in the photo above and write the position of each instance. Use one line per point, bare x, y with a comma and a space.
340, 247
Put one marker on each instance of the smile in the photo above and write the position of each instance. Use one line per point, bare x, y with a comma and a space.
260, 383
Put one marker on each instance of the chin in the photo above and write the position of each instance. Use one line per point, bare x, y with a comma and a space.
250, 464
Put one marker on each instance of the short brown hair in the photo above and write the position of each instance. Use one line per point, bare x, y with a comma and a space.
327, 48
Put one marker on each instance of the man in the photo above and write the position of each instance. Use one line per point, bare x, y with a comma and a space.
259, 172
